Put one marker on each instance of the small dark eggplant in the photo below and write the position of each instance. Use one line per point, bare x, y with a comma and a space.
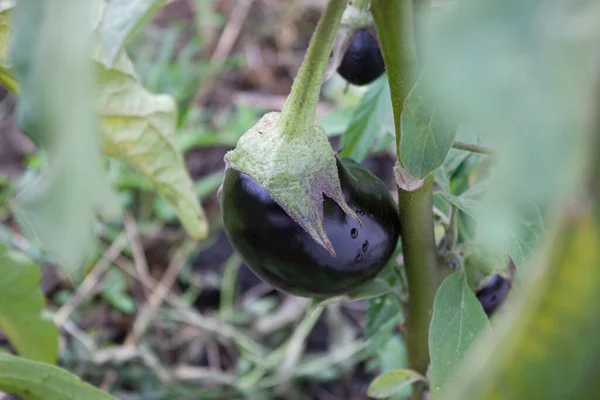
493, 293
362, 62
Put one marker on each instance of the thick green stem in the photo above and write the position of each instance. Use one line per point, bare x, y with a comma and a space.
299, 111
394, 23
420, 261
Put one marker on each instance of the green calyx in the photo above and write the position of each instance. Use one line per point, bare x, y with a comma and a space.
480, 263
296, 170
357, 17
288, 153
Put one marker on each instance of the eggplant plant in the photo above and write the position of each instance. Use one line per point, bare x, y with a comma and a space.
480, 264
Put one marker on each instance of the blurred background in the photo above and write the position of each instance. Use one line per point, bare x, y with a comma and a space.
207, 328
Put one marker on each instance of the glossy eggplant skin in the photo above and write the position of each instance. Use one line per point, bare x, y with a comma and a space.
363, 62
285, 256
493, 294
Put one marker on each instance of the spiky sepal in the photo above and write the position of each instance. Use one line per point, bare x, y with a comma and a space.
296, 168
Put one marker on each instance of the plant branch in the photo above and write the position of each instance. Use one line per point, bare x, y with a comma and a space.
394, 23
421, 264
299, 110
473, 148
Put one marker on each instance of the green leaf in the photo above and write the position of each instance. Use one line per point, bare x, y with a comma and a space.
384, 142
383, 316
480, 264
115, 291
204, 187
137, 127
458, 320
524, 234
26, 21
372, 118
56, 108
517, 234
21, 306
336, 121
468, 201
6, 78
122, 19
34, 380
393, 354
6, 7
383, 312
455, 157
546, 343
427, 136
373, 288
390, 382
498, 67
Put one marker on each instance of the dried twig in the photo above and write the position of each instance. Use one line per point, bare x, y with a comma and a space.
231, 31
159, 293
91, 280
226, 42
139, 258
